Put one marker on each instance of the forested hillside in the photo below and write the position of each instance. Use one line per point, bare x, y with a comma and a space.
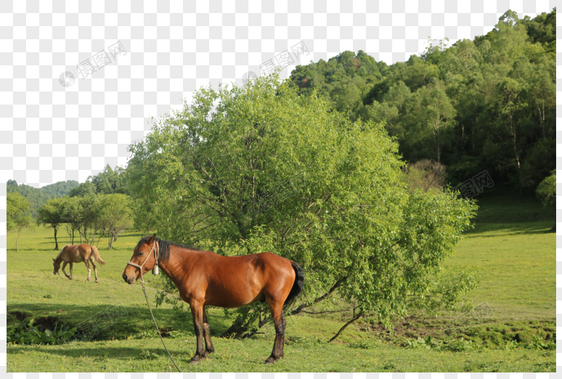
38, 196
482, 104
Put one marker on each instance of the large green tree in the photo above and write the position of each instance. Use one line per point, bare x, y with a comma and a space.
260, 168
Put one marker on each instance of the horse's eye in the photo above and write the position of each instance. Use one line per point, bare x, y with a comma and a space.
141, 253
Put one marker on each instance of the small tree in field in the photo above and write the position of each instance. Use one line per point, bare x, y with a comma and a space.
115, 216
260, 168
18, 208
53, 214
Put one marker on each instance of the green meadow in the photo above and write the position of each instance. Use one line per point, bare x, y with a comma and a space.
512, 328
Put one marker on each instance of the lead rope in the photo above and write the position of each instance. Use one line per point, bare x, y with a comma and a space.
153, 319
150, 309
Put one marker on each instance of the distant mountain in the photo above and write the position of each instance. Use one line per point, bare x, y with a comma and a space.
38, 196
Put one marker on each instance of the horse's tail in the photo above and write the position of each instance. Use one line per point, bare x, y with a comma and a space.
96, 255
298, 285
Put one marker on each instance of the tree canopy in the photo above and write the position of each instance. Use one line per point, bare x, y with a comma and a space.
482, 104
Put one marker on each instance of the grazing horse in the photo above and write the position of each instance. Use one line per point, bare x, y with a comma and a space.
78, 253
205, 278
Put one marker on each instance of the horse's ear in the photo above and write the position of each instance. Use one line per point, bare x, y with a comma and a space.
53, 259
151, 239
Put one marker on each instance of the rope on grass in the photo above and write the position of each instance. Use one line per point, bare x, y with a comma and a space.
153, 319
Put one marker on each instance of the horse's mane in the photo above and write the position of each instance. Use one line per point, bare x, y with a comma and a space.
165, 246
60, 252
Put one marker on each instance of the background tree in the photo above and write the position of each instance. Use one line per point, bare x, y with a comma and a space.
73, 217
89, 219
18, 208
546, 191
110, 180
115, 216
438, 114
38, 196
53, 214
499, 90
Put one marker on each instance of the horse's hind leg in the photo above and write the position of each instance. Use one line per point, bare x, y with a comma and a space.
95, 269
276, 308
70, 270
89, 269
197, 311
208, 344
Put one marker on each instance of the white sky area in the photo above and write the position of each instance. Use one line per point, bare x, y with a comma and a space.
479, 25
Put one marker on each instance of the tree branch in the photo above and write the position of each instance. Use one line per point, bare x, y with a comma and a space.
346, 325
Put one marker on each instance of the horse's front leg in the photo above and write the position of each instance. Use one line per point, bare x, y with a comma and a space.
64, 272
197, 311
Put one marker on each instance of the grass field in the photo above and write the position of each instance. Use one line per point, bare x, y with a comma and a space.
512, 330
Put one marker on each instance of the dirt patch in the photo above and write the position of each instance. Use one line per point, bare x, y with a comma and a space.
488, 333
42, 323
49, 322
165, 332
20, 316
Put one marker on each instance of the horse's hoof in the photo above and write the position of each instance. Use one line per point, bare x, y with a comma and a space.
270, 361
194, 361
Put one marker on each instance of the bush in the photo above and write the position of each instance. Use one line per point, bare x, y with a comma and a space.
27, 334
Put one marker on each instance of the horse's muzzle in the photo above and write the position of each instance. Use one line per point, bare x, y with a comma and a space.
130, 280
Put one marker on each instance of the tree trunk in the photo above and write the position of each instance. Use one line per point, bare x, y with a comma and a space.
235, 331
436, 140
99, 238
514, 135
56, 242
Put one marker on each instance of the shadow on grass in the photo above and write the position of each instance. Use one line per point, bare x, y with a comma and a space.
505, 229
123, 353
112, 321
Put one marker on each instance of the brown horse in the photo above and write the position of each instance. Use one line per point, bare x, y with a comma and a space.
205, 278
78, 253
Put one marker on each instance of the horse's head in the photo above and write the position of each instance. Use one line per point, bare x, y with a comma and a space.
144, 258
56, 265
